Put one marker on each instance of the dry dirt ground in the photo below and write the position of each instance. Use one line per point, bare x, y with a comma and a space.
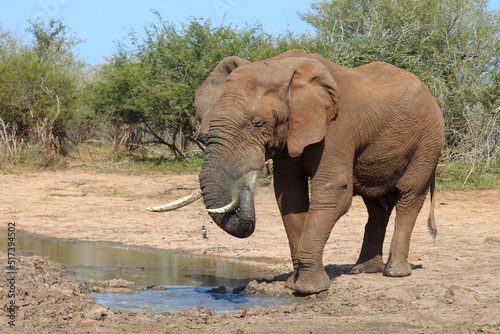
76, 204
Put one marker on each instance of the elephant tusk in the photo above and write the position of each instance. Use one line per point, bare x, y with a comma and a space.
227, 208
250, 182
195, 195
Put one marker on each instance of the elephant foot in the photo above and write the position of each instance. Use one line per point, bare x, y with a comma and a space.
394, 268
311, 282
374, 265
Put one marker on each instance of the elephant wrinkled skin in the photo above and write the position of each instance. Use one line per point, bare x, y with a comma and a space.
373, 131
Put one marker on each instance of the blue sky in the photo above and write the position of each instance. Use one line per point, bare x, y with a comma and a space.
100, 24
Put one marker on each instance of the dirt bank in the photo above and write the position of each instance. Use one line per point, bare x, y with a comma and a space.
110, 207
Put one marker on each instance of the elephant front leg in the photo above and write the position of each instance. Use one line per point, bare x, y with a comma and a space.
294, 225
329, 201
292, 196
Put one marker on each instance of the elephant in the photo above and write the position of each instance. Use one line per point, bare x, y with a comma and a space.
332, 133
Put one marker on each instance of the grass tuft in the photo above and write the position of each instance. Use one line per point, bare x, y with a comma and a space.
467, 175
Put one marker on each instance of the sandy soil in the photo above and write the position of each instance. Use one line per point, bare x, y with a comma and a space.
454, 288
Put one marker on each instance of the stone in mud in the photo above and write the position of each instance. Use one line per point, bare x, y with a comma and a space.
221, 290
156, 288
461, 295
110, 286
88, 325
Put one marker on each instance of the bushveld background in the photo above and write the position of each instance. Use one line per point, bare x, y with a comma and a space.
134, 112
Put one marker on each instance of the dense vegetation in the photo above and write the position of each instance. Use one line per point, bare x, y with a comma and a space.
452, 45
41, 92
148, 86
140, 99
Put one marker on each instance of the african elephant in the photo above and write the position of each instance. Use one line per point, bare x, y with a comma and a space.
332, 132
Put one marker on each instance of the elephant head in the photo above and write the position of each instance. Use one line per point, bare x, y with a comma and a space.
252, 112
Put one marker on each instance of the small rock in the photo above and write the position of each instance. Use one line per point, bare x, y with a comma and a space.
149, 314
99, 313
221, 290
87, 324
239, 290
156, 288
490, 328
492, 241
111, 286
120, 283
459, 294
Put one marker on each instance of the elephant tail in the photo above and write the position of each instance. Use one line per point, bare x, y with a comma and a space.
431, 222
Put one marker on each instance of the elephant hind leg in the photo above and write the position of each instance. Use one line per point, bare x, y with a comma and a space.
412, 191
379, 210
407, 209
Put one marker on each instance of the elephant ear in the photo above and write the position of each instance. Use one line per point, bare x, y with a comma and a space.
312, 98
211, 90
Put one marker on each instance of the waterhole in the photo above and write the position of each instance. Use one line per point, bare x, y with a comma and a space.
180, 281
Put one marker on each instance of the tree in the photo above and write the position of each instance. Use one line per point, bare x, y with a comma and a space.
452, 45
149, 84
40, 85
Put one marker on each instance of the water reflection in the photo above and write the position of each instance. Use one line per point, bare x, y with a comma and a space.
104, 261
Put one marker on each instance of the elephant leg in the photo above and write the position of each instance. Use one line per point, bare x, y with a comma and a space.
292, 195
412, 190
294, 225
379, 210
329, 201
407, 209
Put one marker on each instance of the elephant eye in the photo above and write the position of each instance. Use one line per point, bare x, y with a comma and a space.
258, 123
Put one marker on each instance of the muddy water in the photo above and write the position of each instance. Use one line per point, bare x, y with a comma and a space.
144, 266
186, 277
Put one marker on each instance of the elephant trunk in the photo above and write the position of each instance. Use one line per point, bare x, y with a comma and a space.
229, 197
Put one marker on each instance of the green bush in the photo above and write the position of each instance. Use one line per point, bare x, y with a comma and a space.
41, 82
149, 84
451, 45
